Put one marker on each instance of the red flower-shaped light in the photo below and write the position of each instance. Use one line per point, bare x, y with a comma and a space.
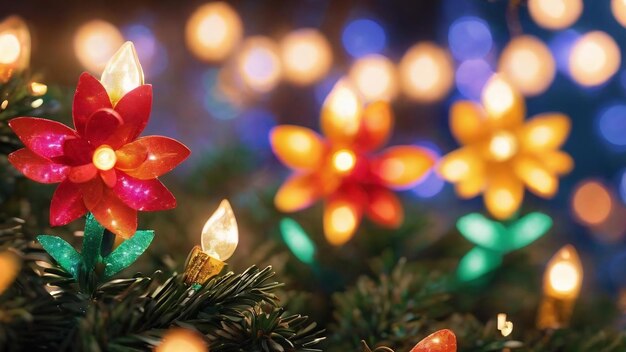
102, 165
343, 170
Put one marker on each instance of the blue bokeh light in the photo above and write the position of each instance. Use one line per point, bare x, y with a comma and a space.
152, 54
622, 185
323, 88
214, 100
471, 76
561, 46
469, 38
253, 127
431, 184
362, 37
612, 124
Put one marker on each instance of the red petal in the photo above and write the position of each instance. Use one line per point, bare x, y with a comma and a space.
134, 108
37, 168
384, 208
83, 173
116, 216
44, 137
92, 192
376, 126
101, 127
163, 155
143, 195
77, 151
90, 96
109, 177
67, 204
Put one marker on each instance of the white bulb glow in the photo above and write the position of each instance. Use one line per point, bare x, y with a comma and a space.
220, 234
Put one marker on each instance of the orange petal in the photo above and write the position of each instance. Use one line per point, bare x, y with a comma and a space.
298, 147
439, 341
342, 113
116, 216
459, 165
375, 126
402, 166
504, 193
162, 154
341, 219
504, 105
556, 161
536, 176
470, 187
467, 122
298, 192
384, 208
545, 131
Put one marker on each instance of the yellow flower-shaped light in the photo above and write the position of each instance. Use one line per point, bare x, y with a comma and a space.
502, 153
342, 168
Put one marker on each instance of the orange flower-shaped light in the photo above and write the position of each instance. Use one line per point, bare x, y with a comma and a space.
502, 153
342, 168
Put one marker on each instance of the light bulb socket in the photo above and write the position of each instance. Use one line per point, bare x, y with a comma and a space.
554, 313
201, 267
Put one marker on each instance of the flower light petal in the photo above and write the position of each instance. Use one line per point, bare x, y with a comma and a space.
298, 147
298, 192
400, 167
376, 125
37, 168
556, 161
143, 195
44, 137
384, 208
89, 97
504, 193
537, 177
163, 154
101, 127
116, 216
545, 132
134, 108
67, 204
342, 216
342, 113
467, 122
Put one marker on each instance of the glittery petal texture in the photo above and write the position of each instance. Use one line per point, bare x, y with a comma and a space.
116, 216
37, 168
65, 255
92, 241
101, 127
143, 195
127, 252
164, 154
44, 137
440, 341
134, 108
67, 204
90, 96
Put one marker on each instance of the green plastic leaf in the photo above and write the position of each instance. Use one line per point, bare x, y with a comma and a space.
92, 241
297, 240
64, 254
477, 262
127, 252
483, 232
527, 230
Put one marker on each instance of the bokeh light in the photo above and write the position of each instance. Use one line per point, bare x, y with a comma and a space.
95, 42
564, 274
594, 59
612, 124
298, 240
306, 56
471, 76
179, 339
431, 183
213, 31
426, 72
498, 98
592, 203
555, 14
14, 46
362, 37
527, 64
618, 7
152, 54
258, 64
561, 46
253, 123
374, 76
469, 38
216, 102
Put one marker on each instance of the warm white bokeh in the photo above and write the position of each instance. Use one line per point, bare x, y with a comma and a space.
258, 64
95, 42
555, 14
527, 64
595, 57
213, 31
426, 72
306, 56
375, 78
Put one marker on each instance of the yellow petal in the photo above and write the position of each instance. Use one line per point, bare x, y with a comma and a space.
470, 186
504, 105
341, 113
467, 121
341, 219
402, 166
504, 193
122, 73
376, 125
556, 161
297, 193
545, 131
297, 147
459, 165
537, 178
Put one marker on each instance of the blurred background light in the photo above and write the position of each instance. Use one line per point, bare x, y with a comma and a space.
216, 102
258, 64
595, 57
592, 203
431, 184
152, 54
555, 14
252, 126
374, 76
297, 240
499, 97
324, 87
561, 46
213, 31
363, 36
527, 64
306, 56
471, 76
622, 186
618, 7
612, 124
469, 38
95, 42
426, 72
